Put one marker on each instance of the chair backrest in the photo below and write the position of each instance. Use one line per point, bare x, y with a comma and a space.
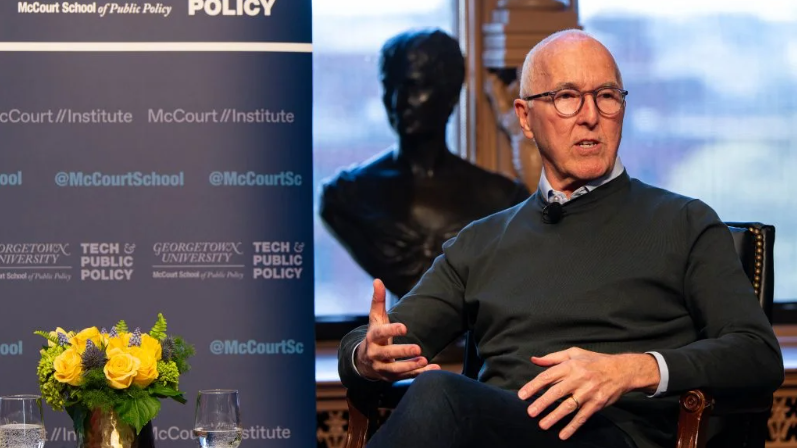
754, 243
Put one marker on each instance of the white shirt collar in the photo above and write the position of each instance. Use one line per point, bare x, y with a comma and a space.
552, 195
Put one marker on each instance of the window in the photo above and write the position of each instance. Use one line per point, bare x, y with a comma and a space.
349, 121
711, 109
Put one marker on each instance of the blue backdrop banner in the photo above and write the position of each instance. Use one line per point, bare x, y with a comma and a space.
156, 157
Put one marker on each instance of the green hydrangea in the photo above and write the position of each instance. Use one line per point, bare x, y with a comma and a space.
168, 374
51, 389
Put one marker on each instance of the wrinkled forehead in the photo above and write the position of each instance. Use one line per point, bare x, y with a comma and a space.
574, 62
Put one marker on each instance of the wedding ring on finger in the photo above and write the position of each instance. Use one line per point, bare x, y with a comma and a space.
575, 400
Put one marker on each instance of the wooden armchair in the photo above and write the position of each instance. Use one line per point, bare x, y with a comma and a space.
703, 421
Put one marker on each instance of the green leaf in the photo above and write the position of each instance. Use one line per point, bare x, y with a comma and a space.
157, 388
46, 335
138, 411
159, 329
78, 414
121, 326
163, 391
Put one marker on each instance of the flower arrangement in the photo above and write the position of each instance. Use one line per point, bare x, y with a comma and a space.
117, 370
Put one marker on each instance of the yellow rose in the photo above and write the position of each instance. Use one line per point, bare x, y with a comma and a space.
78, 341
120, 342
121, 368
148, 368
68, 367
151, 345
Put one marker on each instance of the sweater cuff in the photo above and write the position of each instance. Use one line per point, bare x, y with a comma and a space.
664, 374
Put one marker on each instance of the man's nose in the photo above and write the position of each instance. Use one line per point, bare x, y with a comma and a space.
589, 110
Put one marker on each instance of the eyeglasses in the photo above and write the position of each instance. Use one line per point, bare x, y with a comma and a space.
568, 102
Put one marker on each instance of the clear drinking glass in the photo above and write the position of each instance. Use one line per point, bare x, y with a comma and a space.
217, 421
21, 422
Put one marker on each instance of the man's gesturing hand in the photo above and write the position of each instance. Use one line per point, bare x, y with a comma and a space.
377, 357
587, 382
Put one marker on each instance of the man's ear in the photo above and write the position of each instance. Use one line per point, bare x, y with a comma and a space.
523, 112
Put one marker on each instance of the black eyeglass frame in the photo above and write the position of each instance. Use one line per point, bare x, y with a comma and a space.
552, 95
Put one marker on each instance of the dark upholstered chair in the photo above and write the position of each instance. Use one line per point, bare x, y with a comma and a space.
703, 421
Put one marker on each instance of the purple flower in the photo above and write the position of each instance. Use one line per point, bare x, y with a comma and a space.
62, 339
135, 340
92, 357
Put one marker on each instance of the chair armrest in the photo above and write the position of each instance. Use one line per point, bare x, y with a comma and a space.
362, 415
695, 410
364, 411
698, 405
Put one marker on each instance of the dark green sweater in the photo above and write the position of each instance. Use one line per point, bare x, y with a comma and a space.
630, 268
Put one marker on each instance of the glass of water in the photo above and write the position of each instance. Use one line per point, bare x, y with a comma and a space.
21, 421
217, 421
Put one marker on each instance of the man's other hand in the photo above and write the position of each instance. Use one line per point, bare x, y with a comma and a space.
377, 357
586, 382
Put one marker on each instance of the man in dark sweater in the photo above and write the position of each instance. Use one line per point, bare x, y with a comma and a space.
593, 304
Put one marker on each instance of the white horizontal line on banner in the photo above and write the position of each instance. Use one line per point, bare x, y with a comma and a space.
265, 47
36, 267
183, 266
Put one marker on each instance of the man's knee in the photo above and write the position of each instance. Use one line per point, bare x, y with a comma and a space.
435, 402
436, 382
438, 388
428, 415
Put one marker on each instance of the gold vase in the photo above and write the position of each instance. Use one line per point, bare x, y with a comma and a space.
106, 430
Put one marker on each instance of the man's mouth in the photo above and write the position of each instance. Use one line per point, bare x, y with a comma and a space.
587, 143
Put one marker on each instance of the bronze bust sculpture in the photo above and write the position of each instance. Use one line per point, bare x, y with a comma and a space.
393, 212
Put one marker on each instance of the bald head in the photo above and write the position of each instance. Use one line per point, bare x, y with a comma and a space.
580, 147
536, 65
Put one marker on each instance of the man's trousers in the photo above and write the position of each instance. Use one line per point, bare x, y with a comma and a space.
446, 410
